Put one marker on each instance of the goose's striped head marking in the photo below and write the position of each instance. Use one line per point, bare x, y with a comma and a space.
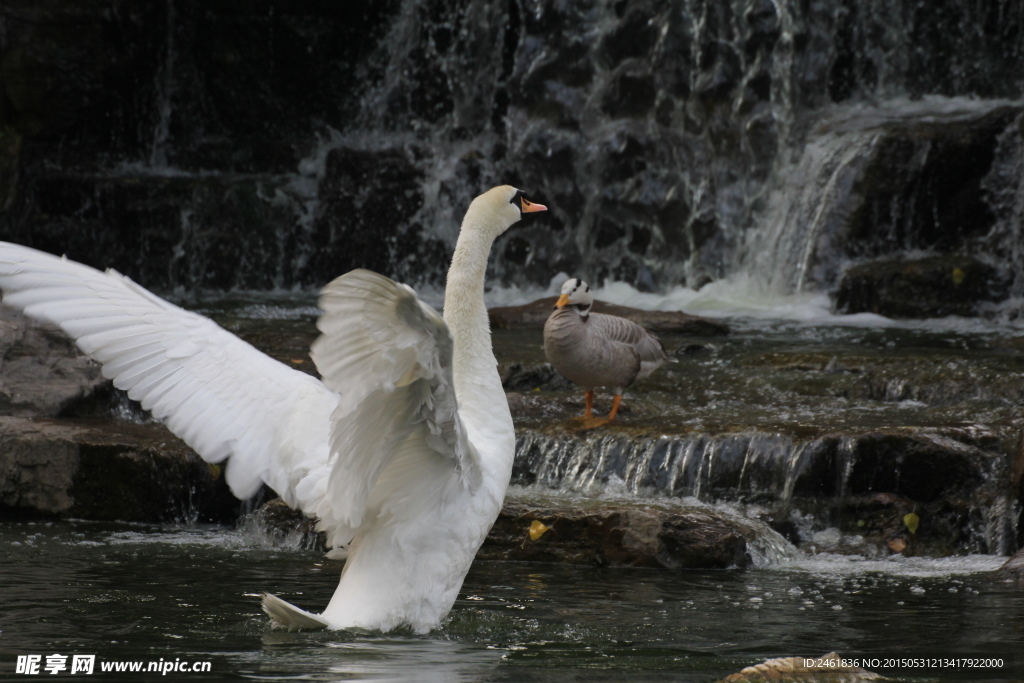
576, 293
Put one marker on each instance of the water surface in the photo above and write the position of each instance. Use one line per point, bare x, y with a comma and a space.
146, 593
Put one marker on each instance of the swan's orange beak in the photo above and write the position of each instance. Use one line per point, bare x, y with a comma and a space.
530, 207
562, 302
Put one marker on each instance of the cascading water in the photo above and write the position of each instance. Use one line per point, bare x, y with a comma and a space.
666, 139
870, 182
817, 478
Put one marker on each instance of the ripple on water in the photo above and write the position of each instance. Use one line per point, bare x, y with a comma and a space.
831, 565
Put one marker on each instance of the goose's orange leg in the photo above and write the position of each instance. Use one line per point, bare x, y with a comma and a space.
590, 405
615, 407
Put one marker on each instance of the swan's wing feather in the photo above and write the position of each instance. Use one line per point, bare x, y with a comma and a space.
219, 394
396, 431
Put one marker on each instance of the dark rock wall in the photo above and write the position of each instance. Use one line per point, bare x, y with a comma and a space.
277, 144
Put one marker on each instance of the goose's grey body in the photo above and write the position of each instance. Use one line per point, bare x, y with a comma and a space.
595, 350
599, 350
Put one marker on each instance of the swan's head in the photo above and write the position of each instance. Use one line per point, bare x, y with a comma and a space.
498, 209
576, 293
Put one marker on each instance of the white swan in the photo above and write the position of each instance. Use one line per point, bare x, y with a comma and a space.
404, 450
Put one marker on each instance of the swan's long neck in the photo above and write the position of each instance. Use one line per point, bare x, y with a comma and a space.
473, 364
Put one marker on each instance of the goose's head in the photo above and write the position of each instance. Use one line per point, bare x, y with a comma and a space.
496, 210
576, 293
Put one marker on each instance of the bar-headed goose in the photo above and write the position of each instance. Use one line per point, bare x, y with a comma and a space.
597, 350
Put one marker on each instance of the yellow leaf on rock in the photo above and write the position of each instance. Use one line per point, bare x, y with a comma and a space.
911, 520
958, 276
537, 529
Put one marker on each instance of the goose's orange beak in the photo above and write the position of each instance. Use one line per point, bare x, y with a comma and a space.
562, 302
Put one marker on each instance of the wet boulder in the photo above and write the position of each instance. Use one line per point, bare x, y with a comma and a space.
166, 230
531, 377
106, 471
621, 535
1012, 569
931, 287
611, 534
42, 373
281, 526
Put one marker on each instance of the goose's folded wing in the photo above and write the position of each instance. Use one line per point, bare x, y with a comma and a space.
219, 394
397, 440
628, 332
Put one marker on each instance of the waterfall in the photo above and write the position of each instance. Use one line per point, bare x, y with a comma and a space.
805, 214
830, 479
1005, 188
864, 186
674, 144
165, 86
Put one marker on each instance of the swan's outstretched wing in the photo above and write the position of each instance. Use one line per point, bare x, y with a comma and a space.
215, 391
396, 434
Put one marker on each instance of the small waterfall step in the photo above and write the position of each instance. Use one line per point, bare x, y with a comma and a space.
957, 481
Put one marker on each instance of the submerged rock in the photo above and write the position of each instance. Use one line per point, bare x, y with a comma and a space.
536, 313
932, 287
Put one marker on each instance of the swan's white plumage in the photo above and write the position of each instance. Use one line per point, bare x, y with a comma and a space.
219, 394
381, 451
396, 427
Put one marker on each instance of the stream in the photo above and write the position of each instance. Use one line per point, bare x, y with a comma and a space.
190, 592
144, 593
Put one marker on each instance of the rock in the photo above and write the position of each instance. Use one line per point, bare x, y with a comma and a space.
622, 536
923, 187
105, 470
828, 668
535, 314
10, 166
382, 231
42, 373
615, 535
526, 377
692, 350
163, 230
1012, 569
931, 287
283, 526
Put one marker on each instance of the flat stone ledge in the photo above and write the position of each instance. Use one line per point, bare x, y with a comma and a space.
105, 470
660, 322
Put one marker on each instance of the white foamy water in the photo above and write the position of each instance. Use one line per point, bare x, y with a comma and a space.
745, 297
838, 566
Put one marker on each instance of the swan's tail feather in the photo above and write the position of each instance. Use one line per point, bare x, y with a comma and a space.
286, 615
